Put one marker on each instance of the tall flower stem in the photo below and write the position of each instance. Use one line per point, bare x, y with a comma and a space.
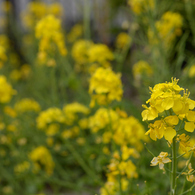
174, 167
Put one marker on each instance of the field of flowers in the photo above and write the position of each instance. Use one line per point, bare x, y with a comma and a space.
103, 109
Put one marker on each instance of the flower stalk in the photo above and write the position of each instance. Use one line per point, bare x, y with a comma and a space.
174, 167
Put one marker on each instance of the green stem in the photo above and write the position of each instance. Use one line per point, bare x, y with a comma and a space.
190, 190
184, 183
82, 163
174, 167
148, 150
54, 87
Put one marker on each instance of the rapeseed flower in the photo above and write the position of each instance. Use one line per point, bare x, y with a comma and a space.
48, 31
80, 54
6, 90
168, 28
167, 97
123, 40
3, 56
50, 115
72, 110
37, 10
160, 160
141, 69
102, 118
191, 71
189, 174
129, 131
140, 6
101, 54
22, 167
26, 105
75, 33
41, 156
105, 86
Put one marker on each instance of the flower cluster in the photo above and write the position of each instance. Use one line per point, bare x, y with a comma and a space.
140, 6
3, 56
166, 97
121, 168
89, 56
6, 90
75, 33
141, 69
37, 10
105, 86
50, 115
118, 128
168, 28
100, 54
41, 157
191, 71
71, 110
21, 74
48, 30
123, 40
80, 53
102, 118
26, 105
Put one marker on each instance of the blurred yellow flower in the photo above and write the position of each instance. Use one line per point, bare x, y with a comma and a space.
105, 86
6, 90
123, 40
191, 71
26, 105
168, 28
42, 157
75, 33
140, 6
48, 31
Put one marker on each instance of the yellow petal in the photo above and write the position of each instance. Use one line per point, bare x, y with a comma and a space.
178, 106
167, 103
190, 116
169, 134
172, 120
189, 126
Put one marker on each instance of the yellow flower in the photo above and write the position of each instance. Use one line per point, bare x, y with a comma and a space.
6, 90
160, 129
50, 115
4, 41
48, 30
141, 68
102, 118
191, 72
80, 54
161, 160
189, 174
52, 129
105, 86
140, 6
123, 40
3, 56
26, 105
37, 10
75, 33
42, 157
184, 143
22, 167
168, 28
129, 131
10, 111
100, 54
